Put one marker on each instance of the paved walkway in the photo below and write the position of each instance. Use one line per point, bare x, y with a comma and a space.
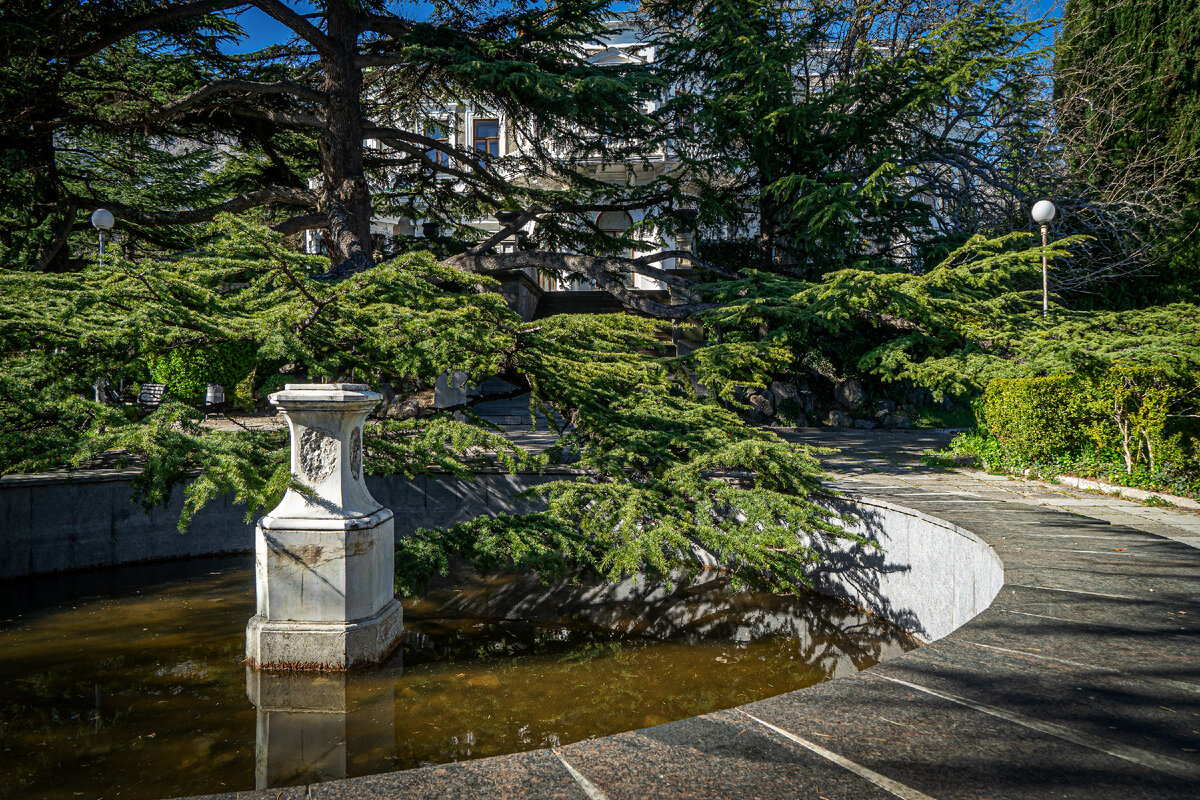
892, 460
1081, 681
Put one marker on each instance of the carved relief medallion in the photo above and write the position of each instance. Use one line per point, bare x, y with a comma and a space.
356, 453
318, 454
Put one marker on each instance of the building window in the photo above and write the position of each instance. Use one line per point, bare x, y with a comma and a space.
687, 112
487, 136
441, 133
617, 224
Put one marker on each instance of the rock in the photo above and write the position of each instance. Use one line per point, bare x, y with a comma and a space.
761, 403
403, 409
807, 400
899, 421
451, 389
866, 424
385, 389
839, 419
881, 418
781, 391
849, 393
885, 406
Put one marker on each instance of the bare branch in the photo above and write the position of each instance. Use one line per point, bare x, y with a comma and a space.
289, 118
167, 13
299, 25
234, 205
303, 222
507, 230
419, 146
237, 87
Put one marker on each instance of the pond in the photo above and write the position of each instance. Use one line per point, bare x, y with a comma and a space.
135, 683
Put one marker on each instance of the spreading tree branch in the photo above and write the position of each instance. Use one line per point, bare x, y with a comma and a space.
600, 270
234, 205
170, 12
310, 33
236, 87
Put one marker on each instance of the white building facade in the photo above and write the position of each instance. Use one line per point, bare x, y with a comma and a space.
471, 127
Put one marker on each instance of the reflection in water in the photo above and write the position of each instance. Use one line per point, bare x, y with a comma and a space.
146, 693
313, 728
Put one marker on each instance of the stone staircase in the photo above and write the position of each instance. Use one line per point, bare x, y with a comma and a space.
589, 302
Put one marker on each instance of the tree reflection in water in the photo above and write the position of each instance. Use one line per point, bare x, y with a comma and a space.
143, 690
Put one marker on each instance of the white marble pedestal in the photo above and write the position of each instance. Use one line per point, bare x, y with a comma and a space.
324, 556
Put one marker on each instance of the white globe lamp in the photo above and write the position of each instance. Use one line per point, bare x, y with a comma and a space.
103, 219
1042, 213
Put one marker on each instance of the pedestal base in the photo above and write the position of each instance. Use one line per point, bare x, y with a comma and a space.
291, 644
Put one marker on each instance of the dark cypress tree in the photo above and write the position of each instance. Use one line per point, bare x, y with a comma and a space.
1127, 84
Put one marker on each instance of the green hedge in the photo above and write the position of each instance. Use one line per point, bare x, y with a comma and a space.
1142, 417
186, 371
1035, 419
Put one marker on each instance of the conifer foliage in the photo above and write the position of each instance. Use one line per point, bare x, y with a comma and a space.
845, 133
663, 478
875, 148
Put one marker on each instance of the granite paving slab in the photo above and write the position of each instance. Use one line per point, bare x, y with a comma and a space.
717, 755
945, 749
1082, 680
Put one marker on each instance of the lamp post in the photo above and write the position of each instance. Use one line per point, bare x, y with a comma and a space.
1042, 213
103, 221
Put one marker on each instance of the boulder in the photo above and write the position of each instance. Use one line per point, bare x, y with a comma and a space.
839, 419
385, 389
452, 388
403, 409
866, 424
885, 406
898, 421
761, 403
918, 396
781, 391
849, 393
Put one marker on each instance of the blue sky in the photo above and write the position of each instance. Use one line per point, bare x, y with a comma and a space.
262, 30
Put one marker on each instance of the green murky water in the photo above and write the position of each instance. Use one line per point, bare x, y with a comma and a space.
135, 687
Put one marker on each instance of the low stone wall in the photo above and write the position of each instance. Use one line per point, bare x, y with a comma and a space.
55, 523
923, 574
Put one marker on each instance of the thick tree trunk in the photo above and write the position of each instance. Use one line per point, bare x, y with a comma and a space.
766, 229
345, 197
777, 257
49, 210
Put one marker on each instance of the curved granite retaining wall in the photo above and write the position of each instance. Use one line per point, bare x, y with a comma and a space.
925, 575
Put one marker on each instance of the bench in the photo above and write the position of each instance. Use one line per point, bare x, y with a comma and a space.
151, 394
